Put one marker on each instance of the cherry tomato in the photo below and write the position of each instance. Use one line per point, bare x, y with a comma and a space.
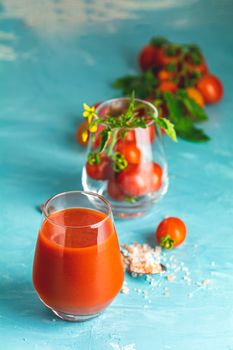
198, 68
132, 181
100, 171
171, 232
152, 133
137, 180
164, 75
156, 177
167, 85
79, 132
114, 190
130, 136
131, 152
195, 94
147, 57
211, 88
162, 58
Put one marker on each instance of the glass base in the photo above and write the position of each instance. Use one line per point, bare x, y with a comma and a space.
75, 318
123, 209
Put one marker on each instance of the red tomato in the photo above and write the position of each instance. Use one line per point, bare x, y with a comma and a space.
137, 180
198, 68
131, 152
167, 85
156, 177
147, 57
151, 130
79, 132
130, 136
162, 59
132, 181
114, 190
211, 88
171, 232
100, 171
164, 75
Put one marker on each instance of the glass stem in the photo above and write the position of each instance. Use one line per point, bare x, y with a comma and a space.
112, 143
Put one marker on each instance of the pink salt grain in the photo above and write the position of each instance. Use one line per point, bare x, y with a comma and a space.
141, 259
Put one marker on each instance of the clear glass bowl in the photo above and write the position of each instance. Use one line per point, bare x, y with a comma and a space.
144, 181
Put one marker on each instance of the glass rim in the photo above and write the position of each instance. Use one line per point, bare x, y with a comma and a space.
93, 194
110, 101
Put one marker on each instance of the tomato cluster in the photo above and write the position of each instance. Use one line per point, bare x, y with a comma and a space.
181, 67
139, 177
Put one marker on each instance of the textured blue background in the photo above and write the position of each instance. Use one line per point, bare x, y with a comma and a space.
53, 56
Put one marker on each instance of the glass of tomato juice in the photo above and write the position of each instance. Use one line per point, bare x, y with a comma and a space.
77, 269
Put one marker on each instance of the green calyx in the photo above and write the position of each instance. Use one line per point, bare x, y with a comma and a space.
131, 199
195, 58
167, 243
172, 50
171, 67
119, 162
159, 41
93, 158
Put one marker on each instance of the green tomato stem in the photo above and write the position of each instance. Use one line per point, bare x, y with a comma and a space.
113, 142
166, 242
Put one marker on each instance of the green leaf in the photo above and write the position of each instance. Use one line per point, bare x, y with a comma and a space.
168, 127
105, 136
174, 108
186, 129
195, 112
143, 85
159, 41
184, 126
130, 111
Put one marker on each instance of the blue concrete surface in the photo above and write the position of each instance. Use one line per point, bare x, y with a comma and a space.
53, 56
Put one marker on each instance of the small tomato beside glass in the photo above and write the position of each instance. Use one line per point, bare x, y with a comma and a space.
171, 232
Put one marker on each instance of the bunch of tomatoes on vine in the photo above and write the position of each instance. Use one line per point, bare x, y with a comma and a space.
176, 79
